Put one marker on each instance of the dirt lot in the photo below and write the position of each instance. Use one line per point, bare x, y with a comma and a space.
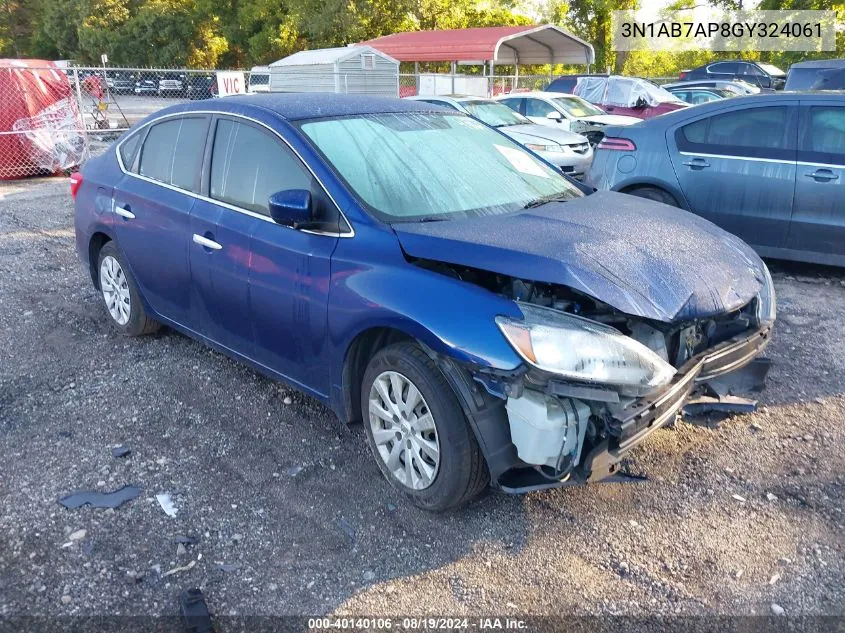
735, 517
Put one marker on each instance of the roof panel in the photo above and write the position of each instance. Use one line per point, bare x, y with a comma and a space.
503, 44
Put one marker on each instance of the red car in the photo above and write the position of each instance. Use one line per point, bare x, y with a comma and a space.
630, 96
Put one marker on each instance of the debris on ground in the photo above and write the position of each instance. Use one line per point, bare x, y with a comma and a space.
739, 498
121, 451
347, 529
293, 471
777, 609
181, 550
97, 499
228, 568
177, 570
166, 504
78, 535
184, 540
195, 613
719, 404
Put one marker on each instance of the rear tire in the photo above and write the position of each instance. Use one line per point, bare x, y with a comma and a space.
120, 294
435, 424
656, 194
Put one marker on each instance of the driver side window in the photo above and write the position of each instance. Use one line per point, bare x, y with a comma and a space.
537, 108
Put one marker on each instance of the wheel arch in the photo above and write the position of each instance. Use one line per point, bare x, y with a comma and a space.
95, 245
642, 183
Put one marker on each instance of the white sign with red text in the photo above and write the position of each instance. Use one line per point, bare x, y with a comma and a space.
230, 83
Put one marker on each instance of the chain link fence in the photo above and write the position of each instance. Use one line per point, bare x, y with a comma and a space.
52, 119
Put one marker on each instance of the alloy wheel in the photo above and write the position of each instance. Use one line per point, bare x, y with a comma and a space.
404, 430
115, 289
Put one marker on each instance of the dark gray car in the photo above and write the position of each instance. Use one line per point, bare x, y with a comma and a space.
768, 168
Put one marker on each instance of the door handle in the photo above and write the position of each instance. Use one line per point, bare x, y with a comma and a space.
124, 212
207, 243
697, 163
822, 175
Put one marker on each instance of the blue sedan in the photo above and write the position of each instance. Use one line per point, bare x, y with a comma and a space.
419, 271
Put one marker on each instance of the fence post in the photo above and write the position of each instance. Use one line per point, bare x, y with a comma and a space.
79, 105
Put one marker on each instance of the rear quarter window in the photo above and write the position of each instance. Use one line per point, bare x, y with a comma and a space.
128, 149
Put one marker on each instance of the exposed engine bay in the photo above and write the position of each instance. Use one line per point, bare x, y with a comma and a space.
568, 430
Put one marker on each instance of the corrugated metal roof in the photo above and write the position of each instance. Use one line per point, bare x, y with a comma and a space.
327, 56
503, 44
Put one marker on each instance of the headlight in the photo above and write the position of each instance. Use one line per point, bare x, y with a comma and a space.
546, 148
766, 300
583, 350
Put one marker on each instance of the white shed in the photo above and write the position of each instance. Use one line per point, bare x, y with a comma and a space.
351, 69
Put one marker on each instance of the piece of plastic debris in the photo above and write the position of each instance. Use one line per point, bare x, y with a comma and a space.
777, 609
120, 451
176, 570
738, 573
195, 613
100, 499
134, 577
181, 550
166, 504
738, 498
293, 471
391, 507
78, 535
347, 529
287, 400
771, 497
774, 579
719, 404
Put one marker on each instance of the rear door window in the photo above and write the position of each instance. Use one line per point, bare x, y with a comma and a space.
172, 152
514, 104
729, 68
766, 132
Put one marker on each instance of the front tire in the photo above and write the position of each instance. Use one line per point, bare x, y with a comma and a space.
417, 430
120, 294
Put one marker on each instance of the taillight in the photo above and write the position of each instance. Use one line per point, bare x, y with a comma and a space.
618, 144
75, 182
682, 74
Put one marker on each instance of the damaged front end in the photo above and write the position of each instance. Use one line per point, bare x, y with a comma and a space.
595, 381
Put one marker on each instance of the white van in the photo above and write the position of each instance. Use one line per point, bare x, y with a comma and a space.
259, 79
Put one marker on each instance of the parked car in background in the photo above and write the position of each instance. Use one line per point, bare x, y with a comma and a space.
146, 86
568, 151
769, 168
171, 85
567, 83
120, 82
756, 73
201, 87
696, 95
630, 96
414, 269
259, 79
816, 75
564, 111
736, 87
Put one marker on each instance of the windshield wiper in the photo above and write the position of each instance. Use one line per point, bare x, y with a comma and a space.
539, 202
432, 218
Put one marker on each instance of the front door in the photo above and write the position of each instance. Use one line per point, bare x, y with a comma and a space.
152, 204
818, 218
737, 169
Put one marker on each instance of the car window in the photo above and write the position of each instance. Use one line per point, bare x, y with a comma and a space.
172, 152
730, 68
748, 132
128, 149
683, 95
249, 165
563, 84
442, 104
700, 96
513, 104
750, 69
826, 135
538, 108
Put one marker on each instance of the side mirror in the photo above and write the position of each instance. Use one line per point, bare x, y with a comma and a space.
554, 115
291, 207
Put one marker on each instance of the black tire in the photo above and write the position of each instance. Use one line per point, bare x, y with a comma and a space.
462, 473
138, 323
656, 194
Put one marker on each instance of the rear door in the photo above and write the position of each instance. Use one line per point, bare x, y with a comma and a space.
737, 169
153, 203
818, 219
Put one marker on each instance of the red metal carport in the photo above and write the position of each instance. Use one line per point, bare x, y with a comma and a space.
512, 45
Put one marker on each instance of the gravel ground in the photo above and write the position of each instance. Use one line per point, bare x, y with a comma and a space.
291, 515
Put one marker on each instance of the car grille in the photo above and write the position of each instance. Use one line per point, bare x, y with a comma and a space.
580, 148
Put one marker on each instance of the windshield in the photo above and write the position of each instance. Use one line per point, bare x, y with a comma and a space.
494, 114
577, 107
433, 166
774, 71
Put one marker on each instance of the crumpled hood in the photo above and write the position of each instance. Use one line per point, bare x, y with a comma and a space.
643, 258
561, 137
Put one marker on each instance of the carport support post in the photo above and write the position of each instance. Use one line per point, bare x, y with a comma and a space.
454, 70
417, 77
491, 84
